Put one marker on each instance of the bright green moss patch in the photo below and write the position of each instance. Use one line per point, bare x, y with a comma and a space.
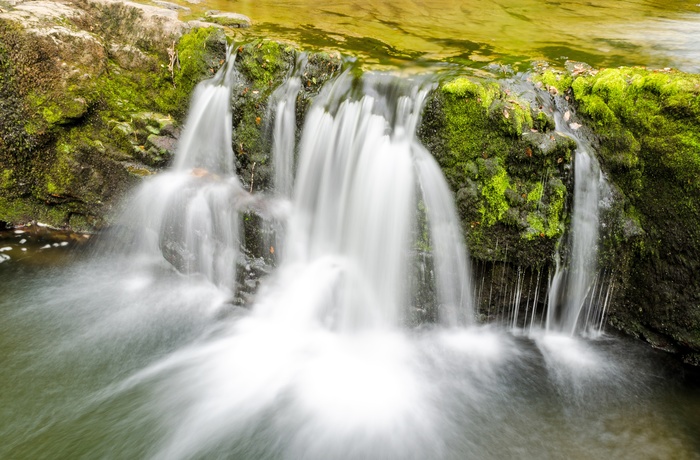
535, 194
263, 61
495, 184
552, 79
637, 112
483, 93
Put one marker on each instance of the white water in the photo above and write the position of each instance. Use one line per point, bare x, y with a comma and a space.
572, 286
189, 215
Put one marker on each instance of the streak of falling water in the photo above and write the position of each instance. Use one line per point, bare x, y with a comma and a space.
572, 282
189, 214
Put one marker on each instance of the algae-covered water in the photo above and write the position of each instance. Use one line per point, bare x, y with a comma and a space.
602, 33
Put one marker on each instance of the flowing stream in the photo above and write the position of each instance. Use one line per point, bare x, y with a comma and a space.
138, 349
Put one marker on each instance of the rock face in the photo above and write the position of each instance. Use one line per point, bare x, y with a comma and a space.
87, 91
501, 154
648, 123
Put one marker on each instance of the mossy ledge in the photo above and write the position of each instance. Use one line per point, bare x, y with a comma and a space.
506, 164
508, 168
648, 128
91, 94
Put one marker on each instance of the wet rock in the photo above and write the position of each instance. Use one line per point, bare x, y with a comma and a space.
160, 150
171, 6
234, 20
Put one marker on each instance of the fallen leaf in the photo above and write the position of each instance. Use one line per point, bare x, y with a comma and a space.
257, 120
505, 113
574, 126
528, 151
567, 115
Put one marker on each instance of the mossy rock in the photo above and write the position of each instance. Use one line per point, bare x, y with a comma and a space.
73, 116
506, 165
263, 66
648, 123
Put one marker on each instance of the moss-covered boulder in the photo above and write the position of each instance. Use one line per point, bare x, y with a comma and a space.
90, 94
509, 169
648, 123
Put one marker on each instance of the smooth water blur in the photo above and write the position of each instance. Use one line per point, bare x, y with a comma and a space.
602, 33
118, 359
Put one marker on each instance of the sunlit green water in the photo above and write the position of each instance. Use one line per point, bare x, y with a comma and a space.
601, 32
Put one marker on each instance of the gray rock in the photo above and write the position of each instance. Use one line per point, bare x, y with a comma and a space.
229, 19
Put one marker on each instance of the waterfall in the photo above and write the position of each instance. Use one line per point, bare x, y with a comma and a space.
284, 131
572, 286
189, 214
360, 176
154, 356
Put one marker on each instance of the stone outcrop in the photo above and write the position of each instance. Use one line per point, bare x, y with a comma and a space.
88, 90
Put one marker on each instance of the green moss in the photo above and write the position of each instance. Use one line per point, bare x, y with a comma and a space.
7, 179
638, 111
557, 199
552, 79
535, 194
536, 226
483, 93
25, 210
60, 177
124, 92
263, 62
493, 191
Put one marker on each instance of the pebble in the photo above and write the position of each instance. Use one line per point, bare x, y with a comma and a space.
6, 248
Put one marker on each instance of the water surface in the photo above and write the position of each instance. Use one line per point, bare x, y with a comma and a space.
407, 32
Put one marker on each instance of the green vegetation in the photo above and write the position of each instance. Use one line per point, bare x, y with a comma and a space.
505, 164
648, 123
73, 118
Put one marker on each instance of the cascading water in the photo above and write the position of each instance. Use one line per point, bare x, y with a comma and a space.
571, 287
360, 171
189, 215
137, 360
